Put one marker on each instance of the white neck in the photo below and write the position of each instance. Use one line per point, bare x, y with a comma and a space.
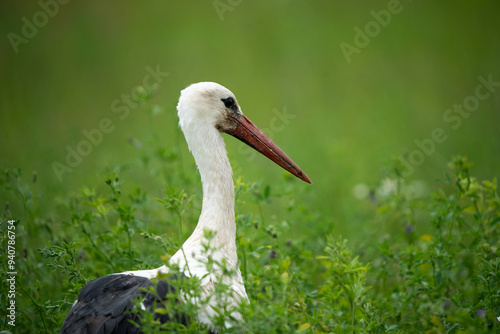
217, 214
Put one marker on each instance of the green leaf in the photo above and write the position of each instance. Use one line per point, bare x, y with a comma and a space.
303, 327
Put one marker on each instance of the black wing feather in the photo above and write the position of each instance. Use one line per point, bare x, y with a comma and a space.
104, 305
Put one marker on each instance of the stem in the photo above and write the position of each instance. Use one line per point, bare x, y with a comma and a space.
260, 210
108, 260
244, 264
352, 315
180, 224
187, 264
40, 309
129, 243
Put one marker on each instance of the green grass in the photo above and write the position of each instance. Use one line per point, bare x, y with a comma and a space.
350, 119
437, 271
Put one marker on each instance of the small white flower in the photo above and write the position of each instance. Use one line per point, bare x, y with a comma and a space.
498, 318
360, 191
388, 186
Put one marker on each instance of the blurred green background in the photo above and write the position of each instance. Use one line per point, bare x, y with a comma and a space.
347, 121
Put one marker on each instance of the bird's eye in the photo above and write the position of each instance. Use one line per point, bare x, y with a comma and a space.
230, 104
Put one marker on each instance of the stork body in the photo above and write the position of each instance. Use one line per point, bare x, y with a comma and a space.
205, 110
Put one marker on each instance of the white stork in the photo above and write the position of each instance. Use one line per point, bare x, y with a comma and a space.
205, 110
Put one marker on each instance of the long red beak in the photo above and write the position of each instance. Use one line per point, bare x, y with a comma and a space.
251, 135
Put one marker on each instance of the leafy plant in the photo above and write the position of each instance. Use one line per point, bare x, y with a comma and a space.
429, 260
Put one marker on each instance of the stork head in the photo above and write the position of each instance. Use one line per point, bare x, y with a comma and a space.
210, 104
